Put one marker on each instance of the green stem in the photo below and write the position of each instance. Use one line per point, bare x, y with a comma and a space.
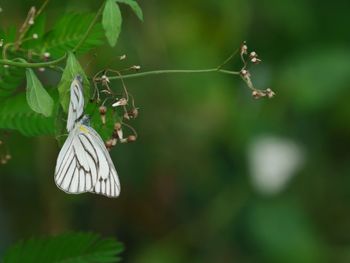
31, 65
173, 71
88, 30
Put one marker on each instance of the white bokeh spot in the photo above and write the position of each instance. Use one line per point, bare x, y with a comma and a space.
273, 162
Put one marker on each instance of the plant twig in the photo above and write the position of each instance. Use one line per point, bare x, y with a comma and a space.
31, 65
173, 71
88, 30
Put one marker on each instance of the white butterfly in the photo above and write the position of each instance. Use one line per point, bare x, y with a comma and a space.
83, 164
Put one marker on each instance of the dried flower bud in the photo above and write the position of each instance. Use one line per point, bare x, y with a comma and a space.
256, 94
47, 55
134, 113
244, 48
117, 126
104, 80
253, 54
255, 60
124, 140
126, 116
136, 67
120, 102
35, 36
245, 73
120, 133
109, 144
102, 110
131, 138
270, 93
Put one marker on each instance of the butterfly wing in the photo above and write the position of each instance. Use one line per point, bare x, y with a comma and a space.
77, 165
76, 104
84, 165
107, 182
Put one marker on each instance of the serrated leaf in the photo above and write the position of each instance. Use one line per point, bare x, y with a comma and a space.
72, 69
37, 28
66, 248
10, 77
67, 33
15, 114
112, 21
134, 6
38, 98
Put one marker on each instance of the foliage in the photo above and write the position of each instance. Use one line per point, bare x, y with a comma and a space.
66, 248
37, 97
15, 114
71, 35
71, 70
112, 21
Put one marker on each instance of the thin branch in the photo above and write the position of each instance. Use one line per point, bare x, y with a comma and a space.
31, 65
228, 59
173, 71
88, 30
41, 9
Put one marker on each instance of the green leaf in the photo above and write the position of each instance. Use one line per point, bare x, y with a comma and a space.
38, 98
37, 28
15, 114
134, 6
111, 21
72, 69
66, 248
67, 33
11, 77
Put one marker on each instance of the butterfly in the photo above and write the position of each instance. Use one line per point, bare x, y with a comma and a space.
84, 164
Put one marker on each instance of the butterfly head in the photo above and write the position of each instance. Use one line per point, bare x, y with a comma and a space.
85, 120
79, 78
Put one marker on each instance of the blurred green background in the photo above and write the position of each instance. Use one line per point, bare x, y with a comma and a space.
215, 176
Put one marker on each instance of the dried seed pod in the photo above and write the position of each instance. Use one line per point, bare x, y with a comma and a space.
109, 144
136, 67
120, 102
126, 116
131, 138
133, 113
245, 73
270, 93
103, 110
104, 80
253, 54
117, 126
244, 48
255, 60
